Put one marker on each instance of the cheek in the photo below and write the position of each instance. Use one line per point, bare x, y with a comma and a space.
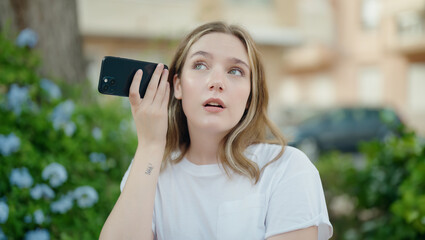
243, 94
190, 94
189, 90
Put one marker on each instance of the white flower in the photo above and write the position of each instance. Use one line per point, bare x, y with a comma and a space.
21, 177
27, 37
63, 205
42, 190
96, 133
86, 196
61, 117
4, 212
124, 125
62, 114
69, 128
52, 89
39, 217
28, 218
16, 97
125, 103
2, 236
38, 234
97, 157
9, 144
55, 173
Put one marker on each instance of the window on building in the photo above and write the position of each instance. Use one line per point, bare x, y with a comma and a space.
416, 87
410, 23
252, 2
322, 90
370, 14
370, 86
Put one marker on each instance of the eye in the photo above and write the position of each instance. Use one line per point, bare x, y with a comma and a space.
199, 66
236, 72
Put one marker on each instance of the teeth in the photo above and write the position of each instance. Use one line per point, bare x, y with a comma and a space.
213, 104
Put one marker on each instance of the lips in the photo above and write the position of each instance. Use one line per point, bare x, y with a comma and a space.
214, 102
214, 105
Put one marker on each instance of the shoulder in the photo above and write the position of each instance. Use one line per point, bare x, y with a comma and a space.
292, 158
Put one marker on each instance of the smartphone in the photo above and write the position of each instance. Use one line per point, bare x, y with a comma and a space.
116, 75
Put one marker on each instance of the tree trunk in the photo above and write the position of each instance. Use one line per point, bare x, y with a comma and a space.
59, 41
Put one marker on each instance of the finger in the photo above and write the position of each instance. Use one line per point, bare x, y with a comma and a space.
161, 88
134, 95
164, 103
153, 84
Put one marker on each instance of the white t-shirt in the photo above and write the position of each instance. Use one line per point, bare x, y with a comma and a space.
201, 202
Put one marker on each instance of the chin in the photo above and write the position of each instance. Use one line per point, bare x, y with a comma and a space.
213, 128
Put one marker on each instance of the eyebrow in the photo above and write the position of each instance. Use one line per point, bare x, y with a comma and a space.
209, 55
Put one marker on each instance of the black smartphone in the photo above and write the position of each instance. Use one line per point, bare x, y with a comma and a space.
116, 75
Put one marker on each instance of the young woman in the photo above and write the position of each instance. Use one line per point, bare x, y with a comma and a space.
204, 168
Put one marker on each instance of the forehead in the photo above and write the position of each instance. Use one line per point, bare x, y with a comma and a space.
221, 45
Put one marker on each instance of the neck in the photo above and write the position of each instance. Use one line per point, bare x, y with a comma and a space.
203, 147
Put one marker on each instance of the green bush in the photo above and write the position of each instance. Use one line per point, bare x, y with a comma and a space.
384, 197
61, 160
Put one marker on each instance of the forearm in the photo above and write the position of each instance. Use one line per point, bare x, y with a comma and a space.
131, 217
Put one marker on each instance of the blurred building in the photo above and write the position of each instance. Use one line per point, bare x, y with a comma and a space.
317, 53
377, 59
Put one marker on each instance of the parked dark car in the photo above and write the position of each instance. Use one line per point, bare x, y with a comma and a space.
343, 129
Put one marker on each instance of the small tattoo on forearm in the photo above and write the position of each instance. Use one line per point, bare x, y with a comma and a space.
149, 169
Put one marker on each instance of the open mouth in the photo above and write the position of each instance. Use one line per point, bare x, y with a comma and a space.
213, 105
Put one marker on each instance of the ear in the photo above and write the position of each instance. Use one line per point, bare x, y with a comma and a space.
177, 87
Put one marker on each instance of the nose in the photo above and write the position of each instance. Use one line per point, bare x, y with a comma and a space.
216, 82
216, 85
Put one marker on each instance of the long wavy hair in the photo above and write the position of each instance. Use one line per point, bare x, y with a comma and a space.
254, 126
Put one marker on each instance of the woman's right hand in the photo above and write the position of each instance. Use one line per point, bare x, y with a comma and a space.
150, 113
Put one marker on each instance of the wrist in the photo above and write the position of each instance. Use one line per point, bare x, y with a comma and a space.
151, 145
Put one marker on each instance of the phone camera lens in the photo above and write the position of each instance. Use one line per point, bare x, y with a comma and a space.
105, 88
112, 81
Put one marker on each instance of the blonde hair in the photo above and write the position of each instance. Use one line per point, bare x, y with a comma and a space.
254, 125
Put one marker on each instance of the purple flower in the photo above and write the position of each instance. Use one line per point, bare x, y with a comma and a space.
38, 234
27, 37
51, 88
42, 190
63, 205
9, 144
86, 196
55, 173
21, 177
16, 97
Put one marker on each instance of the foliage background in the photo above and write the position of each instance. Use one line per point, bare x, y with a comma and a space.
93, 130
379, 195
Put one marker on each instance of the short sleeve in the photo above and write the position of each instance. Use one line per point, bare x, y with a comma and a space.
298, 202
122, 184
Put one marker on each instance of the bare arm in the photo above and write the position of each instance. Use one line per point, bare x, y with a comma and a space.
131, 217
309, 233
